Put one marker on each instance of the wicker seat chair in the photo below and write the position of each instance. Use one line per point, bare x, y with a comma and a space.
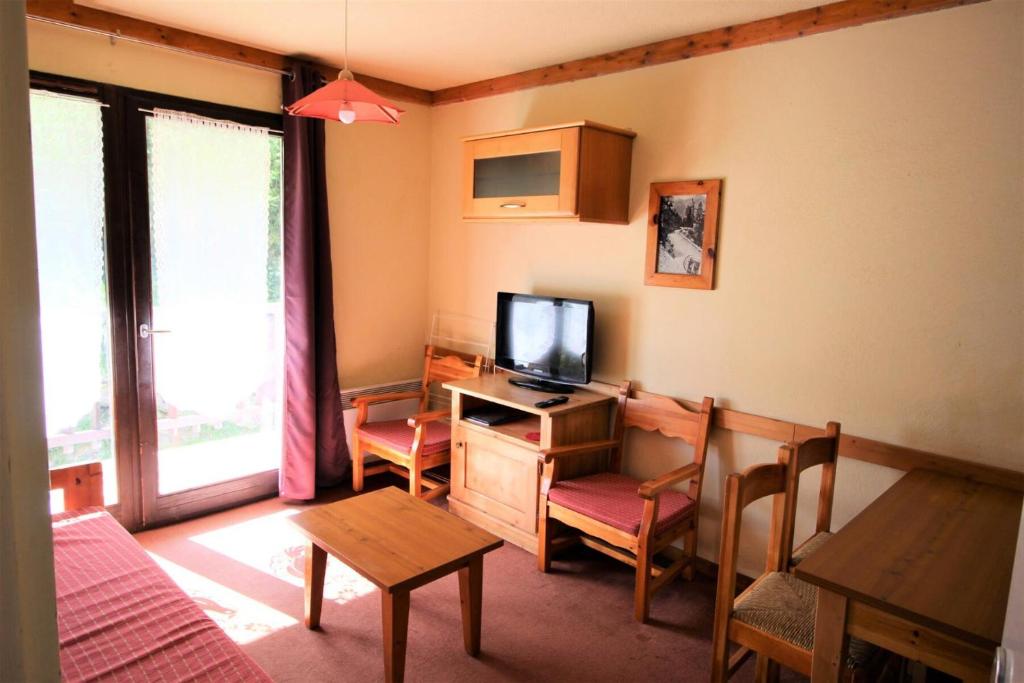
774, 616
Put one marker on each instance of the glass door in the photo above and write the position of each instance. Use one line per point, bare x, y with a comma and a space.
74, 292
210, 326
158, 231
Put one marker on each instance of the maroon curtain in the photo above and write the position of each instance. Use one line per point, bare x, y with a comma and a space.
315, 450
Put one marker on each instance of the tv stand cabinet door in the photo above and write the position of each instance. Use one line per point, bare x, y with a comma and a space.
497, 478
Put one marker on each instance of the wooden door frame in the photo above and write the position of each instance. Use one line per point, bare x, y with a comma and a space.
117, 236
129, 299
156, 508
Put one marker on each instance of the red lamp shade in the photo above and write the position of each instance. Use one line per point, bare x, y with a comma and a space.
346, 101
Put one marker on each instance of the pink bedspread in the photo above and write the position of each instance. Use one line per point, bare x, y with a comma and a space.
121, 618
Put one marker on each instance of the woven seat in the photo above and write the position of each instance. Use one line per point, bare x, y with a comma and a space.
399, 435
784, 606
612, 499
809, 547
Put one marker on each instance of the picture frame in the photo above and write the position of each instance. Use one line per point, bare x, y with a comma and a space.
682, 233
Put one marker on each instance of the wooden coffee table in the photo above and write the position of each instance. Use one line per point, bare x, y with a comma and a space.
399, 543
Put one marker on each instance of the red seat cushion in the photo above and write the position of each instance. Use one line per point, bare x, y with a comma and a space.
398, 434
612, 499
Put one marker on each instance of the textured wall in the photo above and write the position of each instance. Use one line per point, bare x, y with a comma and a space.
870, 243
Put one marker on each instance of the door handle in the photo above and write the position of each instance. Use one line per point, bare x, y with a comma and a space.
514, 205
145, 331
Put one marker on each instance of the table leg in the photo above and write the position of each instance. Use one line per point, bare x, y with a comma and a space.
395, 618
830, 639
316, 565
471, 587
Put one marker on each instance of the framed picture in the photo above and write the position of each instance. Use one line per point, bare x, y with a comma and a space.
682, 232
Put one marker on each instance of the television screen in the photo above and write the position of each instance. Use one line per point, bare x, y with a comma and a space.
546, 337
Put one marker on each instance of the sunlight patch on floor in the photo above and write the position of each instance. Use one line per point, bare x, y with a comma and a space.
242, 618
272, 545
209, 462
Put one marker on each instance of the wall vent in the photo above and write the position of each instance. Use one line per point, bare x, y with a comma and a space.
347, 395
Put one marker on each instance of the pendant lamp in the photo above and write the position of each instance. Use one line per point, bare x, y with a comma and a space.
346, 100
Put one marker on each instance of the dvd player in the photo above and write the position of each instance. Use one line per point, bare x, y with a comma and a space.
493, 415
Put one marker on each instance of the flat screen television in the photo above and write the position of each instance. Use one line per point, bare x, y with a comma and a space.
547, 338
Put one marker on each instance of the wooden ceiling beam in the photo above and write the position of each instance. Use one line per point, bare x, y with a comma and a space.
831, 17
67, 13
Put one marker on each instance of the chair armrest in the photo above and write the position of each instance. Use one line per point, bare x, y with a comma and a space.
423, 418
382, 398
651, 488
548, 454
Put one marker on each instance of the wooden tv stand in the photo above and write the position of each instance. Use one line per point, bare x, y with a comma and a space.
495, 481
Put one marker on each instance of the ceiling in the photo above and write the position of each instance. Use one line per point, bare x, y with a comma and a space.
435, 44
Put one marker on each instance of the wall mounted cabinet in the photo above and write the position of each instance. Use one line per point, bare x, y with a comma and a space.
574, 171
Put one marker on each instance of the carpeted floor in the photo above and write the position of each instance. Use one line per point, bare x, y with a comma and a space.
244, 567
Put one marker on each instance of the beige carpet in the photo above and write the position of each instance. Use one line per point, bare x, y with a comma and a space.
245, 568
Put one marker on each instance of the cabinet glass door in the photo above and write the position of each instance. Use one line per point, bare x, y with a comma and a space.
521, 175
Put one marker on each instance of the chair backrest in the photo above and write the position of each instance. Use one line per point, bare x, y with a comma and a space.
446, 365
741, 490
654, 412
803, 455
81, 485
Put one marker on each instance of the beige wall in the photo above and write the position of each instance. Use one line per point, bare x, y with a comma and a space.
378, 191
870, 246
379, 179
28, 628
870, 243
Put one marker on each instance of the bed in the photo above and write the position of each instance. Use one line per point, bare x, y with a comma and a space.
121, 618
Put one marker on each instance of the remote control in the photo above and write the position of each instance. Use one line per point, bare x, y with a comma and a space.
558, 400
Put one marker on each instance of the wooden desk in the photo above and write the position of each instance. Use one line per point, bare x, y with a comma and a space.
924, 571
399, 543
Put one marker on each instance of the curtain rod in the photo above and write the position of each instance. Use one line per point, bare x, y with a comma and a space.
43, 92
116, 35
273, 131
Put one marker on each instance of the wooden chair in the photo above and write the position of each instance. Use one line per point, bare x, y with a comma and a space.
824, 451
774, 616
411, 447
623, 517
81, 486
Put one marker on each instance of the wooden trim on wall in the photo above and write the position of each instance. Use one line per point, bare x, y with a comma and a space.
797, 24
808, 22
850, 446
67, 13
864, 449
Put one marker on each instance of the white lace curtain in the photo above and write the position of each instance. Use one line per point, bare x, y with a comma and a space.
67, 161
209, 186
